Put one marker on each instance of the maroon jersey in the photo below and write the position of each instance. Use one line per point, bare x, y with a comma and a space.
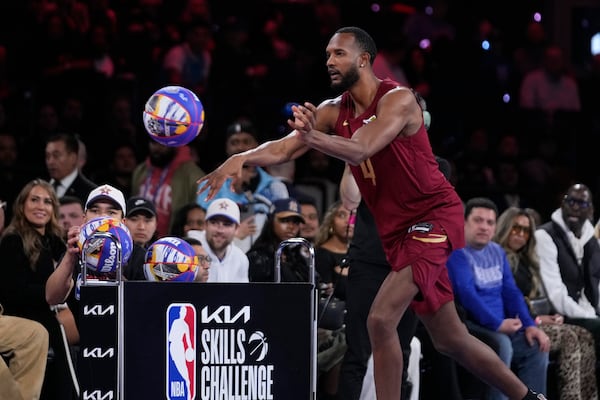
402, 184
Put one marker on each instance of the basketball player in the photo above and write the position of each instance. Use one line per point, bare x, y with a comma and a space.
379, 132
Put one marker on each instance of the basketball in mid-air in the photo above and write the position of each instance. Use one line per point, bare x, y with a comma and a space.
99, 239
173, 116
171, 259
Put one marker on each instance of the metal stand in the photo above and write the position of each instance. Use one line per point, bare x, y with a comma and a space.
313, 299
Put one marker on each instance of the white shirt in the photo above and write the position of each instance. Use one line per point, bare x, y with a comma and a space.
550, 271
232, 268
65, 183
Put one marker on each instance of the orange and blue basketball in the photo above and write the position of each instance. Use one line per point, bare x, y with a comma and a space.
171, 259
98, 242
173, 116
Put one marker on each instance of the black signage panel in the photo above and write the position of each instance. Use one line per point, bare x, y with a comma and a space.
217, 341
97, 364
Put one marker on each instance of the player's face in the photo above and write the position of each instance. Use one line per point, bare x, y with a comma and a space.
480, 226
220, 232
343, 59
142, 227
70, 215
38, 208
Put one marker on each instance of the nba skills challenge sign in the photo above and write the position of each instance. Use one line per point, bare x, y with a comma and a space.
226, 355
217, 341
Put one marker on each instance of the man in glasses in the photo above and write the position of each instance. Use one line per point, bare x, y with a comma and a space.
570, 261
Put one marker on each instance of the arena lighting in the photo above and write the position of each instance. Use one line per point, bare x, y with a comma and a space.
595, 44
375, 7
537, 17
506, 98
402, 8
485, 45
424, 43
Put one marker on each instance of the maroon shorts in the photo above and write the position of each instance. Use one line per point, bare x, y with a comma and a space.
426, 250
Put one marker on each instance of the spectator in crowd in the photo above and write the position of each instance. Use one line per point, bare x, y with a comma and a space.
30, 247
70, 213
26, 341
310, 227
120, 168
190, 217
573, 344
496, 311
331, 247
12, 175
61, 161
141, 221
168, 179
229, 263
204, 260
188, 64
569, 257
104, 201
550, 88
283, 223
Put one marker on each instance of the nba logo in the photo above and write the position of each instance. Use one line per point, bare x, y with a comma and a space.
181, 351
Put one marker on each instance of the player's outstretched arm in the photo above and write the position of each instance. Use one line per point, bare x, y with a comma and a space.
397, 113
268, 153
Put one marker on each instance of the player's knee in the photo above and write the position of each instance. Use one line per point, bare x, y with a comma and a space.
379, 326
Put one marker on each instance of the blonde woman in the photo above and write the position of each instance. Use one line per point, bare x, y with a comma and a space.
331, 246
575, 345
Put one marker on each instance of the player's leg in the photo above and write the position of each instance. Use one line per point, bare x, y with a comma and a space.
392, 300
450, 336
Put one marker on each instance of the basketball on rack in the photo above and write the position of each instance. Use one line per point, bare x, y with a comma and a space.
171, 259
99, 239
173, 116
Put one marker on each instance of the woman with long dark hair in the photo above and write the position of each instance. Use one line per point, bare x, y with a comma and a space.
574, 344
30, 247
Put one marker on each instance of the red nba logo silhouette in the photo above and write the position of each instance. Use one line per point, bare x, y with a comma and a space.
181, 351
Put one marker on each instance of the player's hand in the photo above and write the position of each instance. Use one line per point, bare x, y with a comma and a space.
510, 326
231, 168
304, 118
533, 333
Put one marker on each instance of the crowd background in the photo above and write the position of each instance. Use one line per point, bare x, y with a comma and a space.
87, 68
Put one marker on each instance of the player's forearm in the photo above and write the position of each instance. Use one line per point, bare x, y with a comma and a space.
348, 150
274, 151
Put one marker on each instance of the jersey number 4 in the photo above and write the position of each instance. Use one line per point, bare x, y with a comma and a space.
367, 170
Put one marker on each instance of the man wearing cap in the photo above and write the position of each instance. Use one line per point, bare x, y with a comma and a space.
141, 220
104, 201
229, 263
